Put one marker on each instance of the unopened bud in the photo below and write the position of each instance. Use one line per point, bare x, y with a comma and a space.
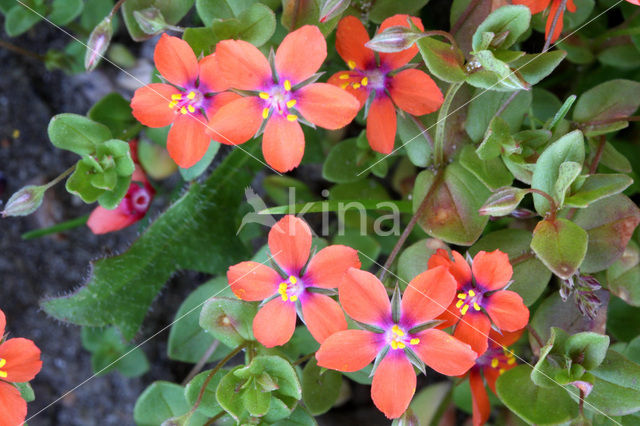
503, 201
25, 201
266, 383
150, 20
584, 386
499, 38
590, 282
394, 39
407, 419
333, 8
523, 214
98, 43
566, 287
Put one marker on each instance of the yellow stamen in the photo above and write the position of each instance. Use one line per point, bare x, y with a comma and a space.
502, 370
356, 85
176, 97
293, 279
351, 64
397, 331
365, 81
263, 95
394, 344
293, 298
472, 293
291, 103
292, 117
172, 104
282, 289
459, 304
287, 85
401, 345
191, 95
344, 76
344, 85
265, 113
183, 110
462, 296
511, 361
414, 341
494, 363
3, 374
476, 306
191, 109
464, 309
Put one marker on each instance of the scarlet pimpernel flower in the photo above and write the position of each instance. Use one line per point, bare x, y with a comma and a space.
490, 365
19, 363
384, 83
480, 299
537, 6
298, 284
280, 96
195, 93
397, 335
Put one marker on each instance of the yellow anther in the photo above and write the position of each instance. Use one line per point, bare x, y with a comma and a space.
351, 64
511, 361
476, 306
356, 85
464, 309
191, 95
263, 95
3, 374
462, 296
172, 104
176, 97
459, 304
287, 85
365, 81
293, 298
265, 113
183, 110
472, 293
397, 331
291, 103
292, 117
502, 370
401, 345
414, 341
494, 363
344, 76
293, 279
191, 109
344, 85
394, 344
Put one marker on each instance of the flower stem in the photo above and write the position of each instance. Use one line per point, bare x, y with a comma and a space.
535, 335
58, 227
553, 206
201, 362
304, 358
213, 419
444, 34
438, 148
17, 49
61, 176
463, 17
115, 8
554, 23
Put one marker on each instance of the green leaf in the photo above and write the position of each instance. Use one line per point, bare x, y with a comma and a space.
530, 277
368, 247
346, 163
255, 25
202, 165
320, 387
491, 73
280, 371
299, 417
79, 183
229, 320
188, 342
533, 68
173, 11
612, 158
619, 385
65, 11
622, 56
570, 147
285, 189
382, 9
296, 13
427, 403
587, 349
492, 172
209, 10
561, 245
532, 403
443, 60
413, 260
20, 19
623, 320
610, 223
77, 133
114, 112
228, 396
485, 105
568, 172
201, 39
597, 187
510, 20
623, 276
451, 213
109, 352
546, 372
256, 402
413, 135
122, 288
94, 12
162, 401
496, 139
610, 100
110, 199
26, 391
208, 404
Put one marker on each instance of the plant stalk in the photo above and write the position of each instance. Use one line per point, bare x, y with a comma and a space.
201, 362
438, 148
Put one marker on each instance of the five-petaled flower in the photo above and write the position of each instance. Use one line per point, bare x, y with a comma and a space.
491, 364
194, 95
384, 83
479, 293
19, 363
395, 337
281, 99
299, 287
537, 6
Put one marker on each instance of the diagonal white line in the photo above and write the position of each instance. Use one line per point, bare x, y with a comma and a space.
485, 90
446, 308
142, 83
144, 342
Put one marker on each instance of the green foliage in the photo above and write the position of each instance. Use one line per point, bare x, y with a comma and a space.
208, 404
320, 387
109, 352
228, 319
20, 18
163, 401
561, 245
114, 112
171, 11
504, 27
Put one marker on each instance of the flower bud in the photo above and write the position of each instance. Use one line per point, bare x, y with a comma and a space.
98, 43
333, 8
589, 282
523, 214
150, 20
394, 39
503, 201
25, 201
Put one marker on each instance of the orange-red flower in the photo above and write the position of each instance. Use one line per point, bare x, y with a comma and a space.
383, 82
193, 96
491, 364
300, 286
480, 300
281, 99
19, 363
397, 337
537, 6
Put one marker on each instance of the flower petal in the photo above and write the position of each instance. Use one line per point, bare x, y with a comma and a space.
394, 384
427, 296
504, 338
555, 5
322, 315
150, 105
492, 271
3, 323
188, 141
444, 353
348, 351
399, 59
535, 6
242, 66
218, 101
450, 316
176, 61
507, 311
351, 37
326, 105
12, 406
458, 267
415, 92
381, 124
253, 281
23, 359
210, 80
364, 298
236, 122
290, 243
283, 143
479, 399
346, 84
328, 267
473, 329
300, 54
102, 221
275, 323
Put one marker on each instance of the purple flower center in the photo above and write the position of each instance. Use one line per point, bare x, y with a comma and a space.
189, 101
291, 289
398, 338
472, 298
278, 99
